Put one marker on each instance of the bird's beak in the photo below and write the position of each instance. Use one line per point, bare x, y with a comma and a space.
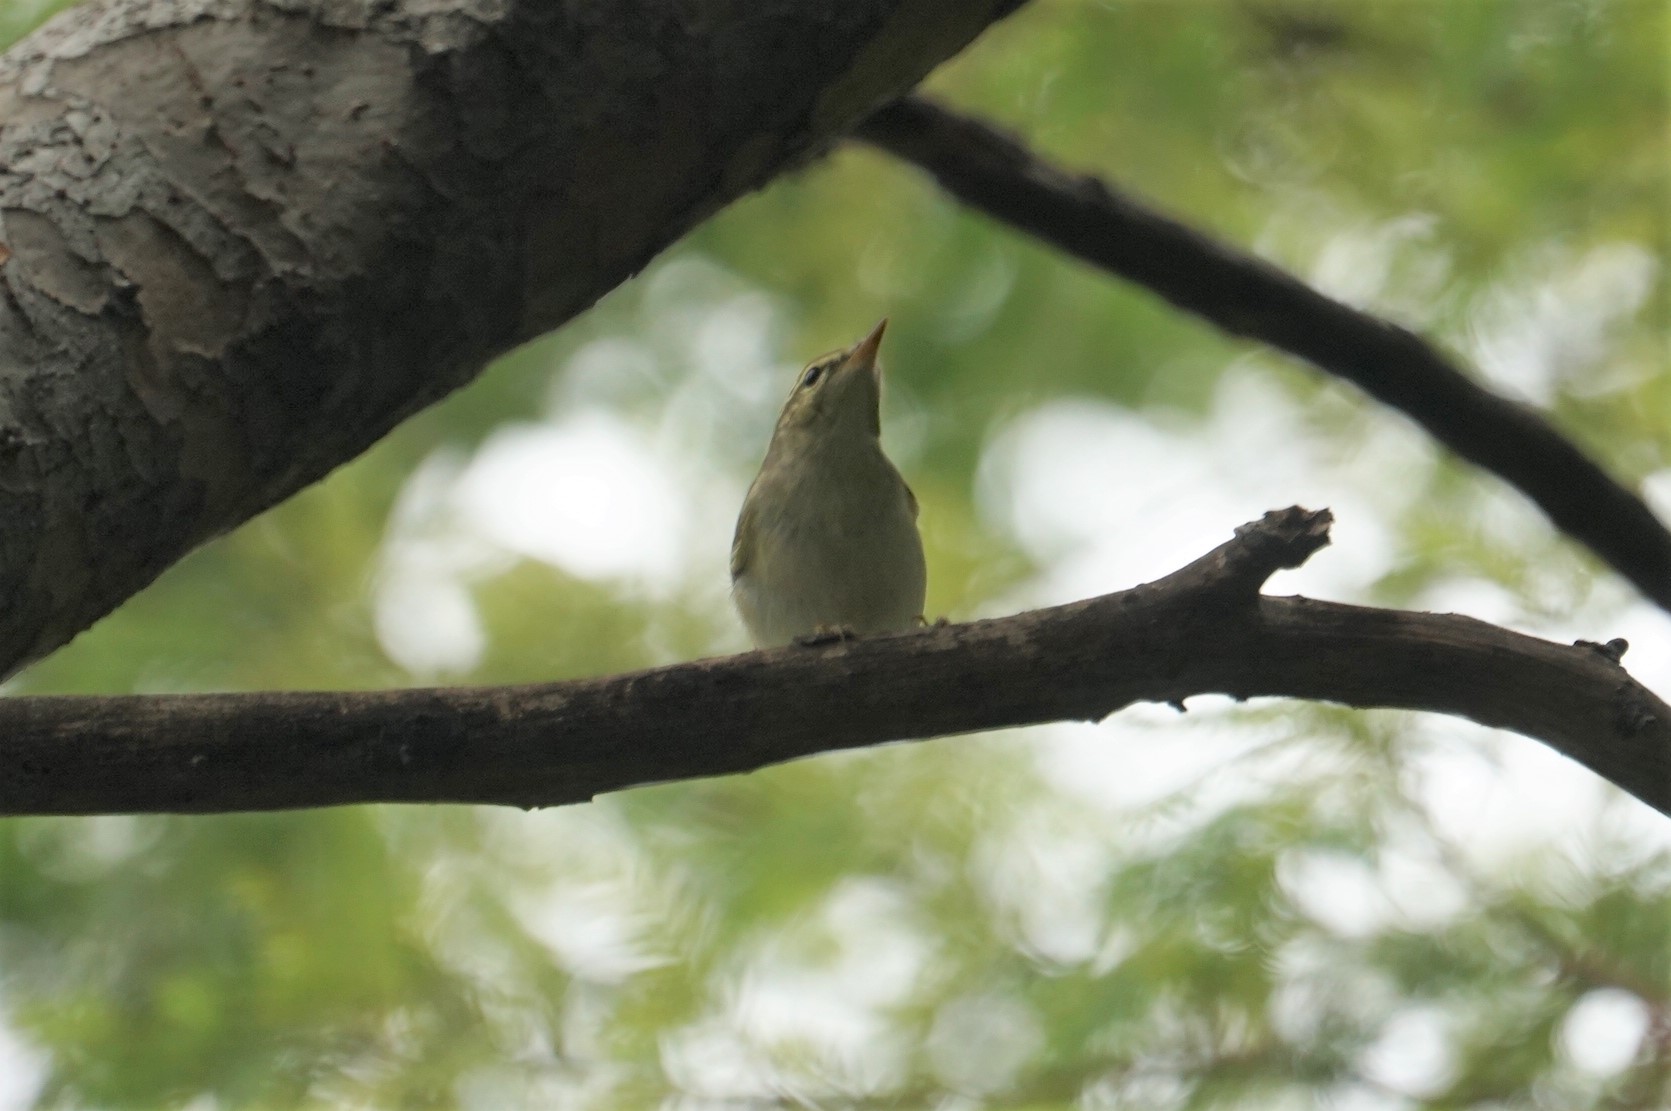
865, 353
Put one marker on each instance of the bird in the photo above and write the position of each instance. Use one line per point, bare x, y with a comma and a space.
827, 543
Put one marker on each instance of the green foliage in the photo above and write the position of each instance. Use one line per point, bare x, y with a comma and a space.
1243, 907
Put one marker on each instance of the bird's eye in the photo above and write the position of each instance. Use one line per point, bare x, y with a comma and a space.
813, 374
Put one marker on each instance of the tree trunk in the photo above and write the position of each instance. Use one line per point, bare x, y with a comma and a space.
241, 239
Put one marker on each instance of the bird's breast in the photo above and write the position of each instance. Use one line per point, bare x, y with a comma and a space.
834, 550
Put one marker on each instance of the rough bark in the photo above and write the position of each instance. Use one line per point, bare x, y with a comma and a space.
241, 239
1204, 629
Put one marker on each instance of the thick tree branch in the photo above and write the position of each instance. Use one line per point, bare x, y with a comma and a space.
241, 239
1204, 629
1246, 296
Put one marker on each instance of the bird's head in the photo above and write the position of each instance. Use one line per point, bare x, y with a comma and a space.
837, 395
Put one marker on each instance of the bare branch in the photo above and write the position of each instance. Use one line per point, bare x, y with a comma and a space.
1247, 296
1203, 629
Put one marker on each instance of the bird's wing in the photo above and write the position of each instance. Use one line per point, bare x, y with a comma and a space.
740, 538
910, 498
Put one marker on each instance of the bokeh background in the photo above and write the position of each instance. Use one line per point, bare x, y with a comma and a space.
1271, 906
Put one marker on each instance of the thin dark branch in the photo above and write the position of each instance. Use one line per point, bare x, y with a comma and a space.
1203, 629
1246, 296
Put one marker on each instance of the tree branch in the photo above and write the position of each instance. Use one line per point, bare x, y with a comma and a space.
1246, 296
1203, 629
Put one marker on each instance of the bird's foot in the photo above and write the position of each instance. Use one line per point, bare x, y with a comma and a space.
937, 623
825, 634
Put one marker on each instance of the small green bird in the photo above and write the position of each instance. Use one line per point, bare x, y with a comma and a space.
827, 540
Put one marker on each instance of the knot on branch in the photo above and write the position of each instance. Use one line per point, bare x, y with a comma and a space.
1613, 651
1281, 539
1237, 569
